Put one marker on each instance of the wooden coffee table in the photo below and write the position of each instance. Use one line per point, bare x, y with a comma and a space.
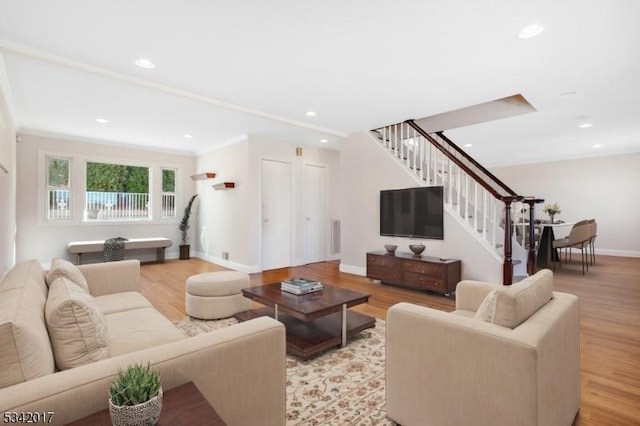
314, 322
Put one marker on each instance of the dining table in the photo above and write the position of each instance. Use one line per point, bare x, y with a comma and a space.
546, 253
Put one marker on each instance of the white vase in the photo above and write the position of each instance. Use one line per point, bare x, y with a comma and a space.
143, 414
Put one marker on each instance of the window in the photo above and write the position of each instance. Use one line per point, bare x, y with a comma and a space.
168, 193
117, 192
58, 187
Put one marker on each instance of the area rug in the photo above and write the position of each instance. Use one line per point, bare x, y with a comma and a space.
342, 386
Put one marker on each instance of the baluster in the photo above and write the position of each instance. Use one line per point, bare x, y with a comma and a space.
457, 177
475, 207
466, 196
494, 215
416, 153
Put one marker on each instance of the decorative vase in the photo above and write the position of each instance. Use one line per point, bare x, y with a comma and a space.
553, 218
144, 414
390, 248
417, 249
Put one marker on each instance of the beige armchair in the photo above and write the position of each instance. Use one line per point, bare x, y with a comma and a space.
506, 356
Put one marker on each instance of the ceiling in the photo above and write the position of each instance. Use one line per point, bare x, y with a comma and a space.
224, 69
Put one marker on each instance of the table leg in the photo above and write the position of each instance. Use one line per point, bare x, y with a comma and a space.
275, 315
344, 324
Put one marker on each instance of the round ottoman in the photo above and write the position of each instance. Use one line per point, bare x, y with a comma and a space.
216, 295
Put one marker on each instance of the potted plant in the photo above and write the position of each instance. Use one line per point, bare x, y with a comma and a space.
135, 396
184, 227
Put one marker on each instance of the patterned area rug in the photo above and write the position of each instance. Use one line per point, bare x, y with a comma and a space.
343, 386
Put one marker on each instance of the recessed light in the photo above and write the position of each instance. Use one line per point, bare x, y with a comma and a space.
310, 113
530, 31
188, 136
102, 120
598, 145
144, 63
324, 140
468, 145
585, 125
569, 93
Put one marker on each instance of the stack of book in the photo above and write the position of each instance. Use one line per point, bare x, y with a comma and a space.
300, 286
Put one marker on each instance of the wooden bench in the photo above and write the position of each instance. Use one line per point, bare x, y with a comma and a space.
159, 243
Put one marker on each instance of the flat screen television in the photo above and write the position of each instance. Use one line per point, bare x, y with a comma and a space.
412, 212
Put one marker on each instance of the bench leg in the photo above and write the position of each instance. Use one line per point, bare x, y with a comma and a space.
79, 258
160, 254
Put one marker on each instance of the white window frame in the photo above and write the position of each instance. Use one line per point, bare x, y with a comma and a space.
169, 195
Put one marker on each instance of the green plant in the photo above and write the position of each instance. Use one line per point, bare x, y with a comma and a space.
134, 386
184, 223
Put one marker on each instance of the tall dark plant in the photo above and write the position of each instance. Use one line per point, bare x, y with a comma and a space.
184, 223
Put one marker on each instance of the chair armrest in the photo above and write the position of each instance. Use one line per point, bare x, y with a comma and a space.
240, 370
112, 277
470, 294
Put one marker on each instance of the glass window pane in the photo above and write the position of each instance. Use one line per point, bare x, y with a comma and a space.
117, 192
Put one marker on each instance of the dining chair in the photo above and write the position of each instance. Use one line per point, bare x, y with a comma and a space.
578, 237
592, 240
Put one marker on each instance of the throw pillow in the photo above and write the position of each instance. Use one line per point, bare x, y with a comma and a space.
66, 269
77, 328
487, 309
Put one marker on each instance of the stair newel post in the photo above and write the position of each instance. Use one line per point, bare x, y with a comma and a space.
531, 257
507, 267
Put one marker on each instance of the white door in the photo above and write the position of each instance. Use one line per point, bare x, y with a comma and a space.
276, 214
315, 231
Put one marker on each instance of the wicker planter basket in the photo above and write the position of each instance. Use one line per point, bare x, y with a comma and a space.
144, 414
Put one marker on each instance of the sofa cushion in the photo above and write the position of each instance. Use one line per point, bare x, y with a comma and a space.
64, 268
25, 350
138, 329
512, 305
120, 302
77, 329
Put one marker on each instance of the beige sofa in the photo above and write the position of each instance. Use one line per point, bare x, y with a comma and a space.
506, 356
239, 369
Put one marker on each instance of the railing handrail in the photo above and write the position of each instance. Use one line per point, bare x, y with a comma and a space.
475, 163
459, 163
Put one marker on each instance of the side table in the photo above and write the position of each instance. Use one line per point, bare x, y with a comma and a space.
183, 405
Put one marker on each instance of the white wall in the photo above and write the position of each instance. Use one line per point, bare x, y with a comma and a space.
230, 220
604, 188
223, 215
7, 188
366, 169
44, 241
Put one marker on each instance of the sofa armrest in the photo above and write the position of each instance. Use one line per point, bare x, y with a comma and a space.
241, 371
470, 294
112, 277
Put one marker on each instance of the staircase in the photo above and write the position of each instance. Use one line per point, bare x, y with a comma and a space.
491, 211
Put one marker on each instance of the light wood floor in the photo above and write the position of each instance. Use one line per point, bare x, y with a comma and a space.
610, 320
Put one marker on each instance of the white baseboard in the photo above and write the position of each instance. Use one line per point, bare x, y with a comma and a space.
618, 253
356, 270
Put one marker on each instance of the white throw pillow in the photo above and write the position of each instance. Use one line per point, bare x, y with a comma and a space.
77, 328
66, 269
487, 309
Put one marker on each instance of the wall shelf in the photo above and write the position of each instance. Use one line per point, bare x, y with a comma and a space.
223, 185
203, 176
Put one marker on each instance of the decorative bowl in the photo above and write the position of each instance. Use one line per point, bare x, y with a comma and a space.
390, 248
417, 249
